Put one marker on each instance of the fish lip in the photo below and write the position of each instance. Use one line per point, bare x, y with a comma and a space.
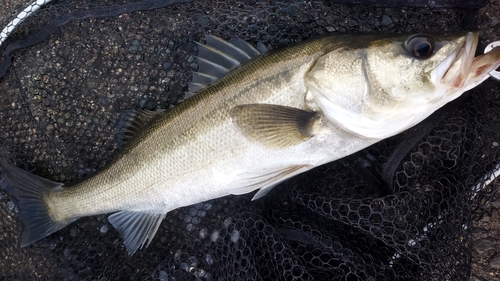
464, 55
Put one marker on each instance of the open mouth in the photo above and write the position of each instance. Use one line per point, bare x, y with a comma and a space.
457, 66
482, 66
463, 70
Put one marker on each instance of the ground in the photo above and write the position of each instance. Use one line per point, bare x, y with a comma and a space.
486, 232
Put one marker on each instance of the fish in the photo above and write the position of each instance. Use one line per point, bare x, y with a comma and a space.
254, 119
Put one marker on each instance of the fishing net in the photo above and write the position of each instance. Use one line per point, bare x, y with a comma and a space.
403, 209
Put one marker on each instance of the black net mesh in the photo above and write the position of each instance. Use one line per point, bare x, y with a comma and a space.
402, 209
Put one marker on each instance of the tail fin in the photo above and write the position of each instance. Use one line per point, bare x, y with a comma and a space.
28, 191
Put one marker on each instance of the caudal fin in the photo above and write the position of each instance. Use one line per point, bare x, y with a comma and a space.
28, 191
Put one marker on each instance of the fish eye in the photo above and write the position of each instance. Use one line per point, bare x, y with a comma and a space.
420, 46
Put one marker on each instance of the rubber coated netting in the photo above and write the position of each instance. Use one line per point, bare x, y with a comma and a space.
402, 209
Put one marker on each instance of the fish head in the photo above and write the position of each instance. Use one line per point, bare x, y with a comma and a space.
376, 86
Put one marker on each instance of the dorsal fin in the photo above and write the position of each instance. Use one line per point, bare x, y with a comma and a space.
227, 48
215, 55
247, 48
217, 58
133, 122
202, 78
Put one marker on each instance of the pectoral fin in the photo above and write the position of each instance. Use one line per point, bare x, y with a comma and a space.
275, 125
136, 228
266, 180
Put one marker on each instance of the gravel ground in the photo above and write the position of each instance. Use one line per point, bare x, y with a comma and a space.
7, 6
486, 233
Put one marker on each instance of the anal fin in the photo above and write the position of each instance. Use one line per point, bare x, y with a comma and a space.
136, 228
265, 180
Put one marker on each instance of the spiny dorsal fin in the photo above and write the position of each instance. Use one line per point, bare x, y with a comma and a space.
227, 48
217, 58
133, 122
275, 125
203, 79
249, 49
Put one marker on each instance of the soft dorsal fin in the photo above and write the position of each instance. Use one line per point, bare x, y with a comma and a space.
133, 122
217, 58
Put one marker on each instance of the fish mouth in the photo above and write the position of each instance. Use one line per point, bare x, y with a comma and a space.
462, 70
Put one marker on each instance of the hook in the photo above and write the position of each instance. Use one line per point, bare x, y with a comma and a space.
495, 74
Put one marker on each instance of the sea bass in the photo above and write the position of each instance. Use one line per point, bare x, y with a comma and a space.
255, 120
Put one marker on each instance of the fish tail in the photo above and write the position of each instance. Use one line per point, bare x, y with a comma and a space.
28, 191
